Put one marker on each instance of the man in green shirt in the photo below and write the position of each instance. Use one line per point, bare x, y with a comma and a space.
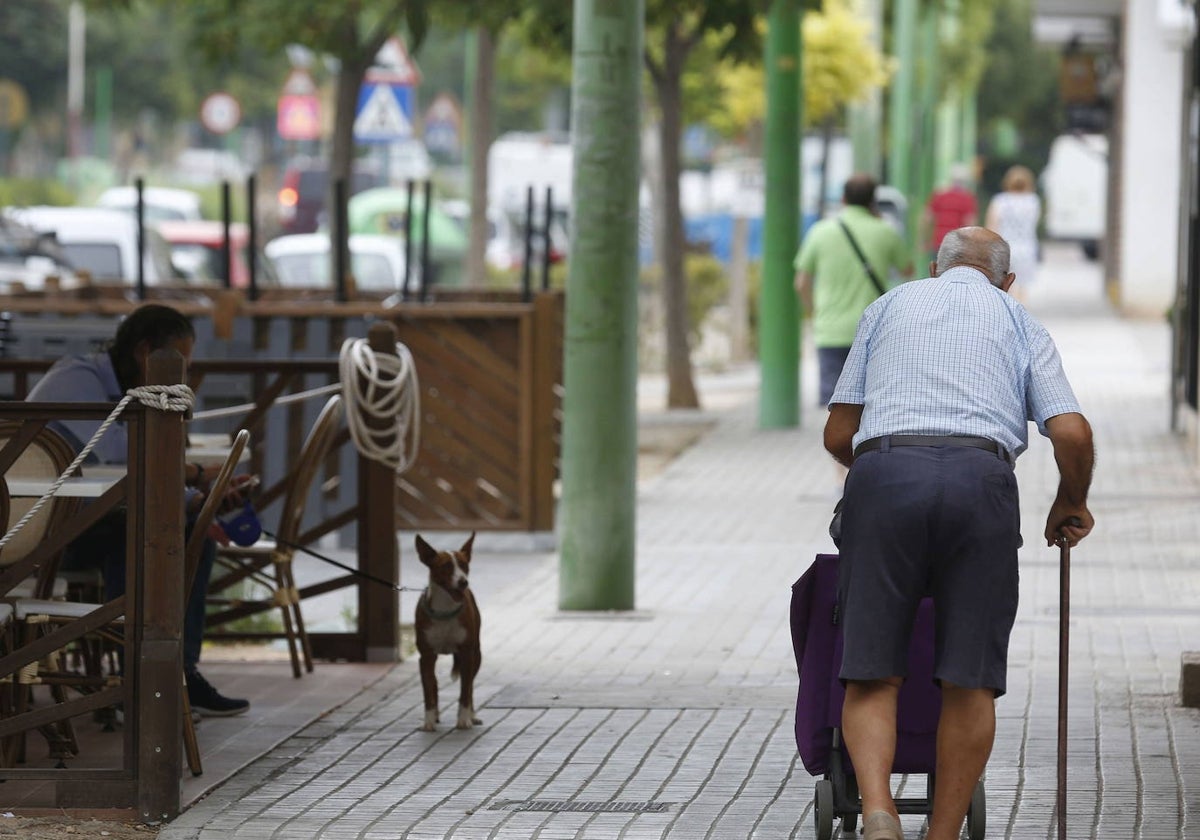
831, 280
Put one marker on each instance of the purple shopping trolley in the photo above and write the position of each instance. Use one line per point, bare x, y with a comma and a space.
817, 641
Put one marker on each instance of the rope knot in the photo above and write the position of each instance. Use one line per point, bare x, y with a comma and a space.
179, 398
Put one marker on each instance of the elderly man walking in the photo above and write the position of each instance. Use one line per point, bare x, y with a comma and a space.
930, 413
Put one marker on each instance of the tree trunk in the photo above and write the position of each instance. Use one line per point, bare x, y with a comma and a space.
739, 299
341, 162
481, 138
681, 391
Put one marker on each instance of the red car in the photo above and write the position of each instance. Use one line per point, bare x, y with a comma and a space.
305, 186
196, 251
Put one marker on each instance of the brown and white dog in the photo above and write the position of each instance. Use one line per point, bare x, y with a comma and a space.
447, 621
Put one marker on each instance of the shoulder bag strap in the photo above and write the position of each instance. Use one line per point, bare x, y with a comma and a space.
862, 258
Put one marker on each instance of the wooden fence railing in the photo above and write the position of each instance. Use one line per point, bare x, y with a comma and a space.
490, 377
148, 616
490, 372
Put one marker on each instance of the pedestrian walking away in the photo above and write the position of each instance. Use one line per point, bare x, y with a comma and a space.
845, 263
1014, 213
930, 414
950, 208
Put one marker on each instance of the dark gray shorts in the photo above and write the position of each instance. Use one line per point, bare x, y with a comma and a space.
942, 521
831, 361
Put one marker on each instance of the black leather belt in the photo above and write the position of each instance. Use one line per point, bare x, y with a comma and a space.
931, 440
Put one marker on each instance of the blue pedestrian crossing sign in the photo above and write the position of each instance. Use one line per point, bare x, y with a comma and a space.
384, 113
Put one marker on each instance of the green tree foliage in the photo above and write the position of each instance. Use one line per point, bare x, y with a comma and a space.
33, 48
1020, 84
841, 66
350, 32
963, 55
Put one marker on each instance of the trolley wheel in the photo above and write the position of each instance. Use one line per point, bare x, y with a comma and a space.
977, 813
823, 809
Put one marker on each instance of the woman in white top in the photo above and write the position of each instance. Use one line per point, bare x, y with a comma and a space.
1014, 214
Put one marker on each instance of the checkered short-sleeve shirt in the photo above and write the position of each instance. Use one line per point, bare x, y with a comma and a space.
953, 355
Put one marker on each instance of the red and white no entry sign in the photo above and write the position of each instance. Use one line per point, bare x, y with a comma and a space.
220, 112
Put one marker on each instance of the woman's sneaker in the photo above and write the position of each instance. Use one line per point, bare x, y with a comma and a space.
207, 701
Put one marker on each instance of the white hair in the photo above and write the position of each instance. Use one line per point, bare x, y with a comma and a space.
959, 248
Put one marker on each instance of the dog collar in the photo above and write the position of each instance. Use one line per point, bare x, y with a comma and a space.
436, 614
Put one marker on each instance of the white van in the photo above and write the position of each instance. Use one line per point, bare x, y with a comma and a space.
101, 241
1075, 184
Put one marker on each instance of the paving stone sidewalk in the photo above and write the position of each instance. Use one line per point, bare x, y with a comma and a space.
675, 721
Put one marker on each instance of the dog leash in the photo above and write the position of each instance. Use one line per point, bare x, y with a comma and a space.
356, 572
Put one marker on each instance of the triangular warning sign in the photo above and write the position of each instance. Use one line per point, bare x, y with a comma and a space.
381, 117
393, 64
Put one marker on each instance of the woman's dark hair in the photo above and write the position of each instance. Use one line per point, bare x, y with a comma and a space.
159, 325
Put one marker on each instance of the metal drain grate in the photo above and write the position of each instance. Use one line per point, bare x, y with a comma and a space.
580, 805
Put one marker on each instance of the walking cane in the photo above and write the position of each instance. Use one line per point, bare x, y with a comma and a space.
1064, 633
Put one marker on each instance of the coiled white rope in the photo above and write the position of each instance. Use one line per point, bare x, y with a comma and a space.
233, 410
384, 389
163, 397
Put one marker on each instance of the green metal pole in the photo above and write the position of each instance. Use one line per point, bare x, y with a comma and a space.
865, 117
925, 147
470, 54
599, 449
949, 122
900, 124
969, 134
103, 111
778, 321
949, 111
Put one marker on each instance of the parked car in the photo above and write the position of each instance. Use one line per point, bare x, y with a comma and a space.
306, 186
302, 260
383, 210
160, 203
197, 252
27, 258
101, 241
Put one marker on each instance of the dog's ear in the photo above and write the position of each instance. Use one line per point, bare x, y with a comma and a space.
425, 551
466, 547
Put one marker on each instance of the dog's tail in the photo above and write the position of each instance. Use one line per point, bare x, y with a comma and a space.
454, 670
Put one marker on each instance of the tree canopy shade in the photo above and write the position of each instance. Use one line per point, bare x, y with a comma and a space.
841, 66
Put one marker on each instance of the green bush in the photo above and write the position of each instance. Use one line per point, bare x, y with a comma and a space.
707, 286
753, 285
500, 278
28, 192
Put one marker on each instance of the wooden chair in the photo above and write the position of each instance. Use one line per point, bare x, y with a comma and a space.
34, 615
31, 451
268, 562
43, 457
192, 552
